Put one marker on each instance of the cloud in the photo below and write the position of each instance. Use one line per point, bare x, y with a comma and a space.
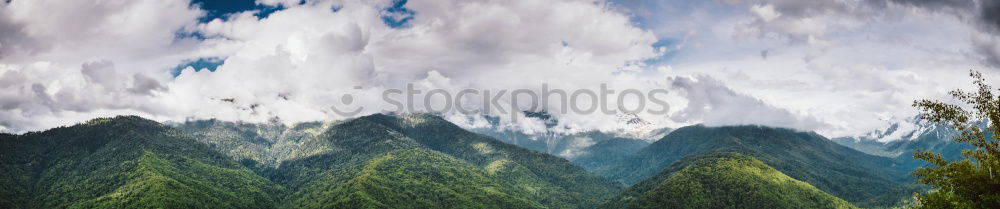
812, 22
84, 59
800, 21
712, 102
990, 13
988, 49
482, 45
985, 14
847, 63
937, 5
982, 12
12, 37
63, 62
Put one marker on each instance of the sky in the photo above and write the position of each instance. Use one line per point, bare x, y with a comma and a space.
837, 67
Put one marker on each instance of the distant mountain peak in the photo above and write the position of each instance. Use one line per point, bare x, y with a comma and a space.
636, 127
632, 119
906, 129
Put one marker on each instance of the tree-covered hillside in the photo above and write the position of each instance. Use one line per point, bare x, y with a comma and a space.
378, 161
724, 180
411, 178
417, 161
264, 143
554, 182
124, 162
607, 152
860, 178
310, 154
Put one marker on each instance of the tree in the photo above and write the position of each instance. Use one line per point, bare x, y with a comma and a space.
973, 182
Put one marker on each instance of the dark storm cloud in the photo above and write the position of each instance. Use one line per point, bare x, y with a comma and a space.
984, 14
990, 15
939, 4
12, 37
987, 50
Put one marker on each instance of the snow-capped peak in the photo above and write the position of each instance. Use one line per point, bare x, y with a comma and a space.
900, 129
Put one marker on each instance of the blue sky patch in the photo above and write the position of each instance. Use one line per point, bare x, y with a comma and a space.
398, 16
265, 11
670, 45
221, 9
210, 63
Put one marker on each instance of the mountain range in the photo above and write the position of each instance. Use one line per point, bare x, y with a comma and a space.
424, 161
901, 139
859, 178
373, 161
589, 149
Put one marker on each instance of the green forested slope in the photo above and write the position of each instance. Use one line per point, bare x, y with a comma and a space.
609, 151
724, 180
411, 178
379, 161
188, 183
540, 179
846, 173
556, 181
266, 144
125, 162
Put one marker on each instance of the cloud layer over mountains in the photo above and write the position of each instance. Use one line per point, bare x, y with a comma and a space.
838, 67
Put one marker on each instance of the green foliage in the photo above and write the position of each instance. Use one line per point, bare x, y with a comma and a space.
972, 182
846, 173
607, 152
606, 148
379, 161
266, 144
124, 162
725, 180
412, 178
557, 182
187, 183
538, 178
408, 161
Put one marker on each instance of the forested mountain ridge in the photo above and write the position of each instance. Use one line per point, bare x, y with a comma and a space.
372, 161
723, 180
412, 178
265, 143
857, 177
316, 153
124, 161
418, 161
553, 181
